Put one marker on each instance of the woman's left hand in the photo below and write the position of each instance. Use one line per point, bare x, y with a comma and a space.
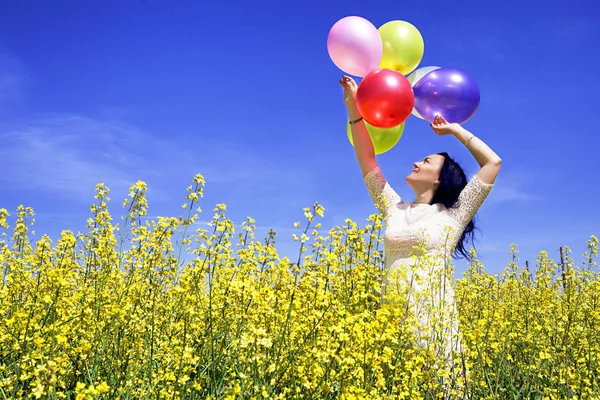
443, 127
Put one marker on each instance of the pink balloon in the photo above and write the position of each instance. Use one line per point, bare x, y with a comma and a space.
354, 45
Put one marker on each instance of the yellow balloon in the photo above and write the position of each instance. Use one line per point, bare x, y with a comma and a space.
383, 138
403, 46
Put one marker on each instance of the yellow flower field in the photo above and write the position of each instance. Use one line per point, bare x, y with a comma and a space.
165, 309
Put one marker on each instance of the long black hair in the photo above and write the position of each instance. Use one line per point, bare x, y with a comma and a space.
452, 181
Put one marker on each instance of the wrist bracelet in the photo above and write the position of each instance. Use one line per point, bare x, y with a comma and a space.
356, 120
469, 140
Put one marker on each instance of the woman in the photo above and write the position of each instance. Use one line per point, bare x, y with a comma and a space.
440, 219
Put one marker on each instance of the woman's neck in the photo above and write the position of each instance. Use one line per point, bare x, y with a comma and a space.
424, 198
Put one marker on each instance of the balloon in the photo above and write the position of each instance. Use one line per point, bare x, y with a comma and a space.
403, 46
384, 98
354, 46
383, 139
414, 77
448, 92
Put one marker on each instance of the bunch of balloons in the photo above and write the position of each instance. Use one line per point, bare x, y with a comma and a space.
392, 87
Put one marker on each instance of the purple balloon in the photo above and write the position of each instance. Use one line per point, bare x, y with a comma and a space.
448, 92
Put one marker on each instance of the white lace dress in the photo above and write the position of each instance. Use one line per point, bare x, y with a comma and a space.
435, 228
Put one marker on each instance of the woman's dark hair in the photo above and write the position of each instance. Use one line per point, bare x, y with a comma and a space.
452, 181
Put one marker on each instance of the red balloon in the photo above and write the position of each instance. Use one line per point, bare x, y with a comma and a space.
385, 98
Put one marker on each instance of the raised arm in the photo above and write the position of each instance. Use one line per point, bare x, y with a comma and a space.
381, 192
489, 162
363, 146
478, 188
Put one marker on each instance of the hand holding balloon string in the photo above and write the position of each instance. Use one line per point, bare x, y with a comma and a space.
443, 127
350, 88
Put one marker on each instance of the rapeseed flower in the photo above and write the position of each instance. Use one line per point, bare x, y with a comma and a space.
169, 308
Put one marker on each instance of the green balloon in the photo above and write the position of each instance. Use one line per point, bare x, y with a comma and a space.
383, 138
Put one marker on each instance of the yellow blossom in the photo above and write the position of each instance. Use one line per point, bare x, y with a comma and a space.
151, 309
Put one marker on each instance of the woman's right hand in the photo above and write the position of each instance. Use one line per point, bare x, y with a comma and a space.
350, 88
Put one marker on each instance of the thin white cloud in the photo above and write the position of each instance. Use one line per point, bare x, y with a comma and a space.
505, 193
512, 187
14, 77
573, 29
68, 154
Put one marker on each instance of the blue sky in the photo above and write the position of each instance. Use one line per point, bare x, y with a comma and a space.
246, 94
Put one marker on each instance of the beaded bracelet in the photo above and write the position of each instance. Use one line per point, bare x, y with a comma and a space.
356, 120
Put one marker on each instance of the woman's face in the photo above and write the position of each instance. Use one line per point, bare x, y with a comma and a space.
426, 172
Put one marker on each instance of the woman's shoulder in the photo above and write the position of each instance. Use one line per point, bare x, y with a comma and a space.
470, 199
